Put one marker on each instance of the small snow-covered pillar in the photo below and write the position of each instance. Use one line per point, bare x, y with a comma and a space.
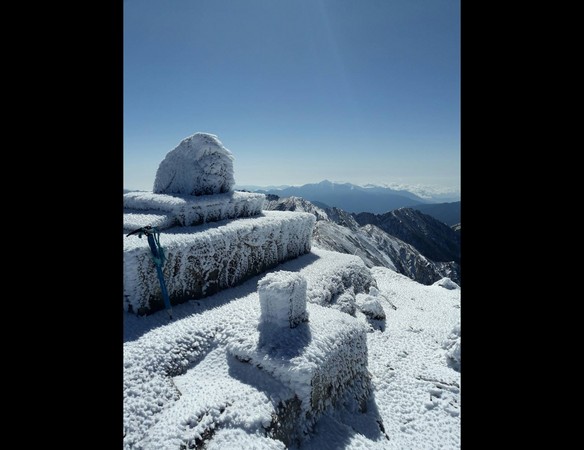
282, 300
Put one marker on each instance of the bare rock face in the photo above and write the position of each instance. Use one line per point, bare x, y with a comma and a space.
199, 165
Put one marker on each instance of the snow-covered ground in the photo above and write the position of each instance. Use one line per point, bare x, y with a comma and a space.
184, 388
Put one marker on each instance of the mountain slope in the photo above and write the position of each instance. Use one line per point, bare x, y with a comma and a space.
449, 213
434, 239
351, 197
337, 230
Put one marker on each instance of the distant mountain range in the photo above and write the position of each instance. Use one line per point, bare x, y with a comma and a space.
339, 230
351, 197
368, 198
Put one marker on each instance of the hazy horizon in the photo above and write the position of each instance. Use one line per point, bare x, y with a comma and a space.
433, 192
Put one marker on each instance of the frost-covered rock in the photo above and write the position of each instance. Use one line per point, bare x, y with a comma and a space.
282, 300
199, 165
139, 219
337, 230
446, 283
336, 285
165, 211
180, 386
369, 305
182, 389
204, 259
452, 346
323, 361
346, 302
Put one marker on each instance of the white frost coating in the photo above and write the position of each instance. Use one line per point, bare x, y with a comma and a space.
282, 301
187, 210
204, 259
237, 439
145, 200
346, 302
199, 165
320, 360
181, 385
135, 220
446, 283
452, 346
370, 306
176, 387
338, 282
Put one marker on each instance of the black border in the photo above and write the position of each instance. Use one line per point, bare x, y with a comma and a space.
87, 321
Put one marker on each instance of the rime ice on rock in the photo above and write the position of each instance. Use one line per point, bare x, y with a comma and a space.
283, 299
205, 259
166, 211
322, 361
370, 306
213, 237
452, 346
446, 283
199, 165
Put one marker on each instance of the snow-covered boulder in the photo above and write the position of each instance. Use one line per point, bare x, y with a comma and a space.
452, 346
323, 361
199, 165
336, 285
446, 283
207, 258
369, 305
282, 300
346, 302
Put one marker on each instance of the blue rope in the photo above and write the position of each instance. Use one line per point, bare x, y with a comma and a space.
157, 253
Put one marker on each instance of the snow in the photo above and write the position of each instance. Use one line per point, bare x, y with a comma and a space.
416, 391
447, 283
133, 221
199, 165
452, 346
206, 258
293, 346
332, 236
338, 282
370, 306
164, 211
321, 361
282, 301
183, 386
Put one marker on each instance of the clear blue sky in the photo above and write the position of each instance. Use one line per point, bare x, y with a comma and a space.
363, 91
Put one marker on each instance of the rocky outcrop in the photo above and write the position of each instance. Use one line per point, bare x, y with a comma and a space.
199, 165
408, 260
339, 231
432, 238
205, 259
212, 237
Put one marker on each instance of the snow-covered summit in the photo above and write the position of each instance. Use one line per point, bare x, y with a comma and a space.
187, 383
213, 236
199, 165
